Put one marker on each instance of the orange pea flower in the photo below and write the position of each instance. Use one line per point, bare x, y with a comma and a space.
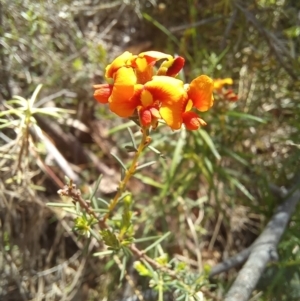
200, 97
134, 85
225, 93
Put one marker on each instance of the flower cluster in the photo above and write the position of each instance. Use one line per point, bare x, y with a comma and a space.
135, 85
225, 93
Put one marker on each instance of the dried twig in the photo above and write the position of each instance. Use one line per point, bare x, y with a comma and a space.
263, 250
241, 257
59, 158
68, 141
273, 42
230, 263
228, 29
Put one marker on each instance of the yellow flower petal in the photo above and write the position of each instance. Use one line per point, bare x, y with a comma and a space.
171, 116
169, 92
141, 64
200, 92
125, 76
122, 100
123, 109
146, 98
155, 55
144, 62
189, 105
219, 83
166, 88
117, 63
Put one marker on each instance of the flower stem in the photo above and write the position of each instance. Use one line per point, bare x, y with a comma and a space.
128, 174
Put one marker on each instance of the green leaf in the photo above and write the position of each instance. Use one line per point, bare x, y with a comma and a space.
100, 210
34, 95
110, 239
162, 28
120, 161
206, 138
72, 211
157, 242
92, 196
21, 101
103, 201
130, 149
246, 116
145, 165
19, 112
94, 234
123, 270
120, 127
132, 138
103, 253
52, 111
242, 188
235, 156
126, 219
142, 239
181, 297
9, 123
177, 153
148, 181
155, 150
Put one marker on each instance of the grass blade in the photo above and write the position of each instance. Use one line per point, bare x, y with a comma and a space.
206, 138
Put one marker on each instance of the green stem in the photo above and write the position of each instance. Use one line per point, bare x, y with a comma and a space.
128, 174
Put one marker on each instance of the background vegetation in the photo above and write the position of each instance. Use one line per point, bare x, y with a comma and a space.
211, 187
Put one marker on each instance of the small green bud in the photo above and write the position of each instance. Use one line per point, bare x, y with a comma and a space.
82, 226
163, 259
127, 200
141, 269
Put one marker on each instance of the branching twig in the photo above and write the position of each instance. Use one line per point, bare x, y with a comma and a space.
140, 254
230, 263
71, 191
74, 193
263, 250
